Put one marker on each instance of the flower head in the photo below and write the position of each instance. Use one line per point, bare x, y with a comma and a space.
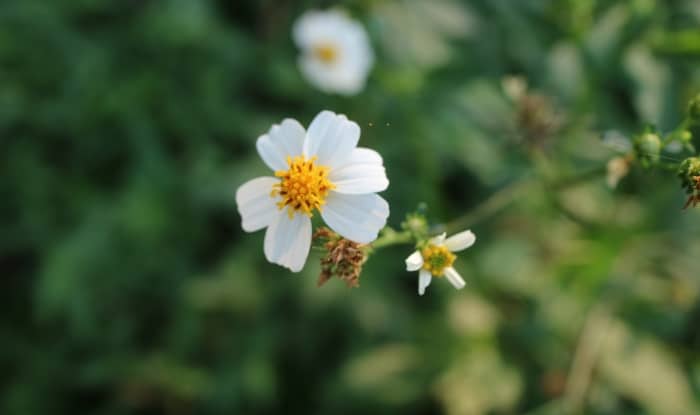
320, 170
435, 259
336, 52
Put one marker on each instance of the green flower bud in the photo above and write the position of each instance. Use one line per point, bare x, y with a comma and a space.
694, 109
686, 136
647, 146
688, 172
417, 224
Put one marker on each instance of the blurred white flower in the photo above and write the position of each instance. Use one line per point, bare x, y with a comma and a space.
336, 51
320, 169
436, 259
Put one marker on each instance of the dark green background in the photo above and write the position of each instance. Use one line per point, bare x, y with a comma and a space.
128, 286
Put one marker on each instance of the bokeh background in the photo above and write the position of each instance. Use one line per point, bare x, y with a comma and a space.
128, 286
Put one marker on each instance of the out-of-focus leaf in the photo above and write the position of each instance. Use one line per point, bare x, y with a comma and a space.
162, 378
385, 371
470, 315
606, 34
479, 383
682, 42
416, 32
643, 369
653, 79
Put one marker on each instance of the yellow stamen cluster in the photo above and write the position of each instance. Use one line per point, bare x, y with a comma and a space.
436, 258
326, 53
303, 187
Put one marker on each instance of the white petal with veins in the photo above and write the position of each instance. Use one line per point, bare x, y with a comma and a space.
282, 141
287, 241
356, 217
255, 205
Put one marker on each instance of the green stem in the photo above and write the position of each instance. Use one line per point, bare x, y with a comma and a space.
391, 237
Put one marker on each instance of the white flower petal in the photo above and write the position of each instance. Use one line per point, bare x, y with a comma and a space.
424, 278
282, 141
339, 78
315, 26
287, 241
255, 205
414, 262
331, 138
438, 240
454, 278
356, 217
362, 173
460, 241
362, 155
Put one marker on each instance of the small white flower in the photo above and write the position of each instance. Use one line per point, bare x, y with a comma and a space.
323, 170
336, 52
436, 258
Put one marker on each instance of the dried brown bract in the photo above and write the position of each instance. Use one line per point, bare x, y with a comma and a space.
344, 258
537, 119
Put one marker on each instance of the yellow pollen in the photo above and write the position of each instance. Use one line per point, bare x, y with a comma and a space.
326, 53
436, 258
303, 187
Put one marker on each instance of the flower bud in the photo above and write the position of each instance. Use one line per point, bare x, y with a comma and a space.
417, 224
647, 146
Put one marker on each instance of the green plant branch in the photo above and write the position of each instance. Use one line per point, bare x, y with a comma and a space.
391, 237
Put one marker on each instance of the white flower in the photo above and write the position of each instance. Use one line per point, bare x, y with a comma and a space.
436, 258
336, 52
323, 170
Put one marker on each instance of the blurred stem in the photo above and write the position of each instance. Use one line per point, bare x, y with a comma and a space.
489, 207
509, 194
547, 171
494, 204
585, 358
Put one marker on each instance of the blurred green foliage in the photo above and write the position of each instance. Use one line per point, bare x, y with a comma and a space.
129, 287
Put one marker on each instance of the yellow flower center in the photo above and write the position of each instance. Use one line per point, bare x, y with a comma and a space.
303, 187
436, 258
326, 53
